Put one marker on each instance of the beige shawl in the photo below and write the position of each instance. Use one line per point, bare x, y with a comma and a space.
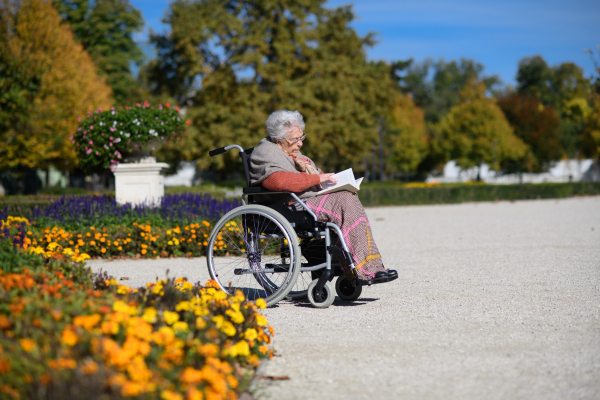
267, 158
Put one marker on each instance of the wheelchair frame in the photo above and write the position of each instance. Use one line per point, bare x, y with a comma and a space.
319, 292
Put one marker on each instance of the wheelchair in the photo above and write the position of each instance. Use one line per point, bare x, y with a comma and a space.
270, 251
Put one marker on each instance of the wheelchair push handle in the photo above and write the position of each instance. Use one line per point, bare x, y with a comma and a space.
222, 150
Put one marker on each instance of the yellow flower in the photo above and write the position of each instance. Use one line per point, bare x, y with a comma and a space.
183, 305
149, 315
261, 303
236, 317
170, 395
171, 317
218, 320
228, 328
121, 306
124, 289
250, 334
241, 348
261, 320
27, 344
180, 326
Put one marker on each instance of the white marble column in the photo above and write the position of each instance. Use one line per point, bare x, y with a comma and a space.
140, 183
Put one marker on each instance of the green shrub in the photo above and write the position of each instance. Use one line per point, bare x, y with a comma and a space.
389, 195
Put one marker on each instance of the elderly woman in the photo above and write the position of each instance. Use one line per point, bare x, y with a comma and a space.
277, 164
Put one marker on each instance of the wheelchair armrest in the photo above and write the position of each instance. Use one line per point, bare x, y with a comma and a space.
259, 190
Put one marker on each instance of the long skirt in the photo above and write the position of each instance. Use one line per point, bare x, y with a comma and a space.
345, 210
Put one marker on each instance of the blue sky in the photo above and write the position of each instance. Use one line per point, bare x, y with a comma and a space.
495, 33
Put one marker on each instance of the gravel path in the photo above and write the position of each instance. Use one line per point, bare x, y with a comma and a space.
494, 301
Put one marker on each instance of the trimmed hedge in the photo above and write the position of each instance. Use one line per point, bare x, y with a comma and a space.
400, 196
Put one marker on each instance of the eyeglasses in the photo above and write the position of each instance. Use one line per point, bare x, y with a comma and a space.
294, 141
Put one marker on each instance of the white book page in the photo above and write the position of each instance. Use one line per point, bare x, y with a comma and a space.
346, 176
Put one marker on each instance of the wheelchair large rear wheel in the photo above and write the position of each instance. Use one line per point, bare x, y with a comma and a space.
254, 249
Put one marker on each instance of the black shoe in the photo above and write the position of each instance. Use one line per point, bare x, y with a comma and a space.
385, 276
392, 275
381, 275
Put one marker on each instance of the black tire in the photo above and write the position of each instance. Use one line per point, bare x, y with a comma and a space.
345, 290
254, 249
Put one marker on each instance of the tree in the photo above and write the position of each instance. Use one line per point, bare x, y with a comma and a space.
591, 133
105, 29
235, 62
435, 86
476, 132
56, 84
537, 125
406, 135
564, 88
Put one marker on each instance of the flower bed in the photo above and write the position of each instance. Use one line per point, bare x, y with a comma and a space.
66, 335
101, 228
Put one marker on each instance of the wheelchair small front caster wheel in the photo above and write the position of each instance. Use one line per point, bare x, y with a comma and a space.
327, 294
345, 290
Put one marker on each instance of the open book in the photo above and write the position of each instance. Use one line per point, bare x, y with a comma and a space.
346, 181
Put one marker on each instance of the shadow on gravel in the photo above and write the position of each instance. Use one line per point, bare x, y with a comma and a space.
338, 302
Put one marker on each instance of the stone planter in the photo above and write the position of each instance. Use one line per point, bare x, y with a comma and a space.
141, 182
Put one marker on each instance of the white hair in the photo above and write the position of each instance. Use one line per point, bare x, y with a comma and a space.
280, 123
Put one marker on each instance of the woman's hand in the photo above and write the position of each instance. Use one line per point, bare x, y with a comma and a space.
327, 178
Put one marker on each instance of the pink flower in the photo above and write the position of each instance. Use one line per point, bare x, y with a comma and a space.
112, 129
91, 126
97, 153
91, 142
110, 138
89, 151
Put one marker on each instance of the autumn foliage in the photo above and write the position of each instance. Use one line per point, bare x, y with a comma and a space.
57, 80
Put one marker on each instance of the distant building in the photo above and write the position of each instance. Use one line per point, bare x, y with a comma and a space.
562, 171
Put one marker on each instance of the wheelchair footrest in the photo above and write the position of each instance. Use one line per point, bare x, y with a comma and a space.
271, 268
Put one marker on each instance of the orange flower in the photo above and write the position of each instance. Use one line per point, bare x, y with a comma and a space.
62, 363
27, 344
69, 337
191, 376
4, 322
90, 367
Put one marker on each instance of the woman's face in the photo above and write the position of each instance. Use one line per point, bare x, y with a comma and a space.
293, 142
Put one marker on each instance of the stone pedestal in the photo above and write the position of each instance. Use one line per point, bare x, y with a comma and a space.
140, 183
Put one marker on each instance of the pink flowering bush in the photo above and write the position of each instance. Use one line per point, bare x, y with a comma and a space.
105, 138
